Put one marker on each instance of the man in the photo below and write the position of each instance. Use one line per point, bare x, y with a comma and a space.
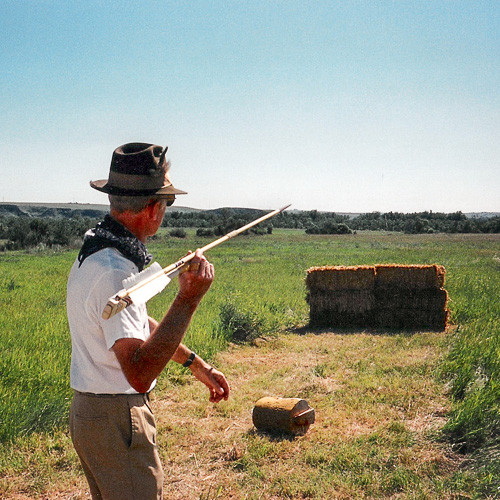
115, 362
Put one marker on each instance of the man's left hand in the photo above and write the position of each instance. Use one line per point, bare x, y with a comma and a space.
213, 379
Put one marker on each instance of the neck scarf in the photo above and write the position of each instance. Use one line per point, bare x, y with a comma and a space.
111, 234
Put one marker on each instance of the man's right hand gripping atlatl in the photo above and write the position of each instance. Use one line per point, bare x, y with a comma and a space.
197, 279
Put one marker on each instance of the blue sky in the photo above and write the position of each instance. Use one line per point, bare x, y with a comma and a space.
330, 105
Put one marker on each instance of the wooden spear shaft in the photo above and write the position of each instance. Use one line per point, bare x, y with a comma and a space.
169, 270
124, 298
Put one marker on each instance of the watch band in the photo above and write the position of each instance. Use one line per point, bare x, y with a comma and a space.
189, 360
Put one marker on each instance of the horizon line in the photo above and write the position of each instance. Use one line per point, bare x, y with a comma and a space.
172, 209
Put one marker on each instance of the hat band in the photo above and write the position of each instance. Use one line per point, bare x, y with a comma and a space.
137, 183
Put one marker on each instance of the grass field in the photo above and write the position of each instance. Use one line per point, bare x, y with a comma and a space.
382, 398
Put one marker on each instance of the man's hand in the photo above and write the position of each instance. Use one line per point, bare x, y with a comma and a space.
213, 379
195, 282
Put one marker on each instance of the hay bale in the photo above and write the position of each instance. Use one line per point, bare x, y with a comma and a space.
388, 296
413, 277
422, 300
343, 308
335, 319
355, 301
329, 278
411, 319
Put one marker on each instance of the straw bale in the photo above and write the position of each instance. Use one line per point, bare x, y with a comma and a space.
424, 300
411, 319
330, 278
335, 319
344, 308
410, 276
352, 301
388, 296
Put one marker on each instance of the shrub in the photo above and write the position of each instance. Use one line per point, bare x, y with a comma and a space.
239, 326
178, 233
204, 232
329, 228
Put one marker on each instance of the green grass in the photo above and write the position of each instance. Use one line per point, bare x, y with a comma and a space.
264, 277
35, 343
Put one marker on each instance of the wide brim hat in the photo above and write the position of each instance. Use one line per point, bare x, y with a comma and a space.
138, 169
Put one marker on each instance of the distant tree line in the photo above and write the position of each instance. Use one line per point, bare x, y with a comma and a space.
17, 233
425, 222
21, 232
217, 222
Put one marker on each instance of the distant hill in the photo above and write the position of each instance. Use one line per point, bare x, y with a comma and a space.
51, 210
61, 210
73, 210
94, 211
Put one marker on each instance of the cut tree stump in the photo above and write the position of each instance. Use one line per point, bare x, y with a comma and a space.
286, 415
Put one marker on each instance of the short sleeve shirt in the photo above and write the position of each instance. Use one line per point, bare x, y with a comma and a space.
94, 366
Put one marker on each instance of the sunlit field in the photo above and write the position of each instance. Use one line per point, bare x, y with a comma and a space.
262, 279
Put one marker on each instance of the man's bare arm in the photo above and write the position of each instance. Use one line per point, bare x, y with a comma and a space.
142, 361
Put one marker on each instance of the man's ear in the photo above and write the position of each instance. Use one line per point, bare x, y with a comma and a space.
155, 210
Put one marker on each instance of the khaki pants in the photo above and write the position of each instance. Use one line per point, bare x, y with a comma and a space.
115, 438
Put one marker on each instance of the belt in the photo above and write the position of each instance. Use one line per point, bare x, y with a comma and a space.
120, 395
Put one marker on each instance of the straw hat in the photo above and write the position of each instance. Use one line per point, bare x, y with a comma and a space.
138, 169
